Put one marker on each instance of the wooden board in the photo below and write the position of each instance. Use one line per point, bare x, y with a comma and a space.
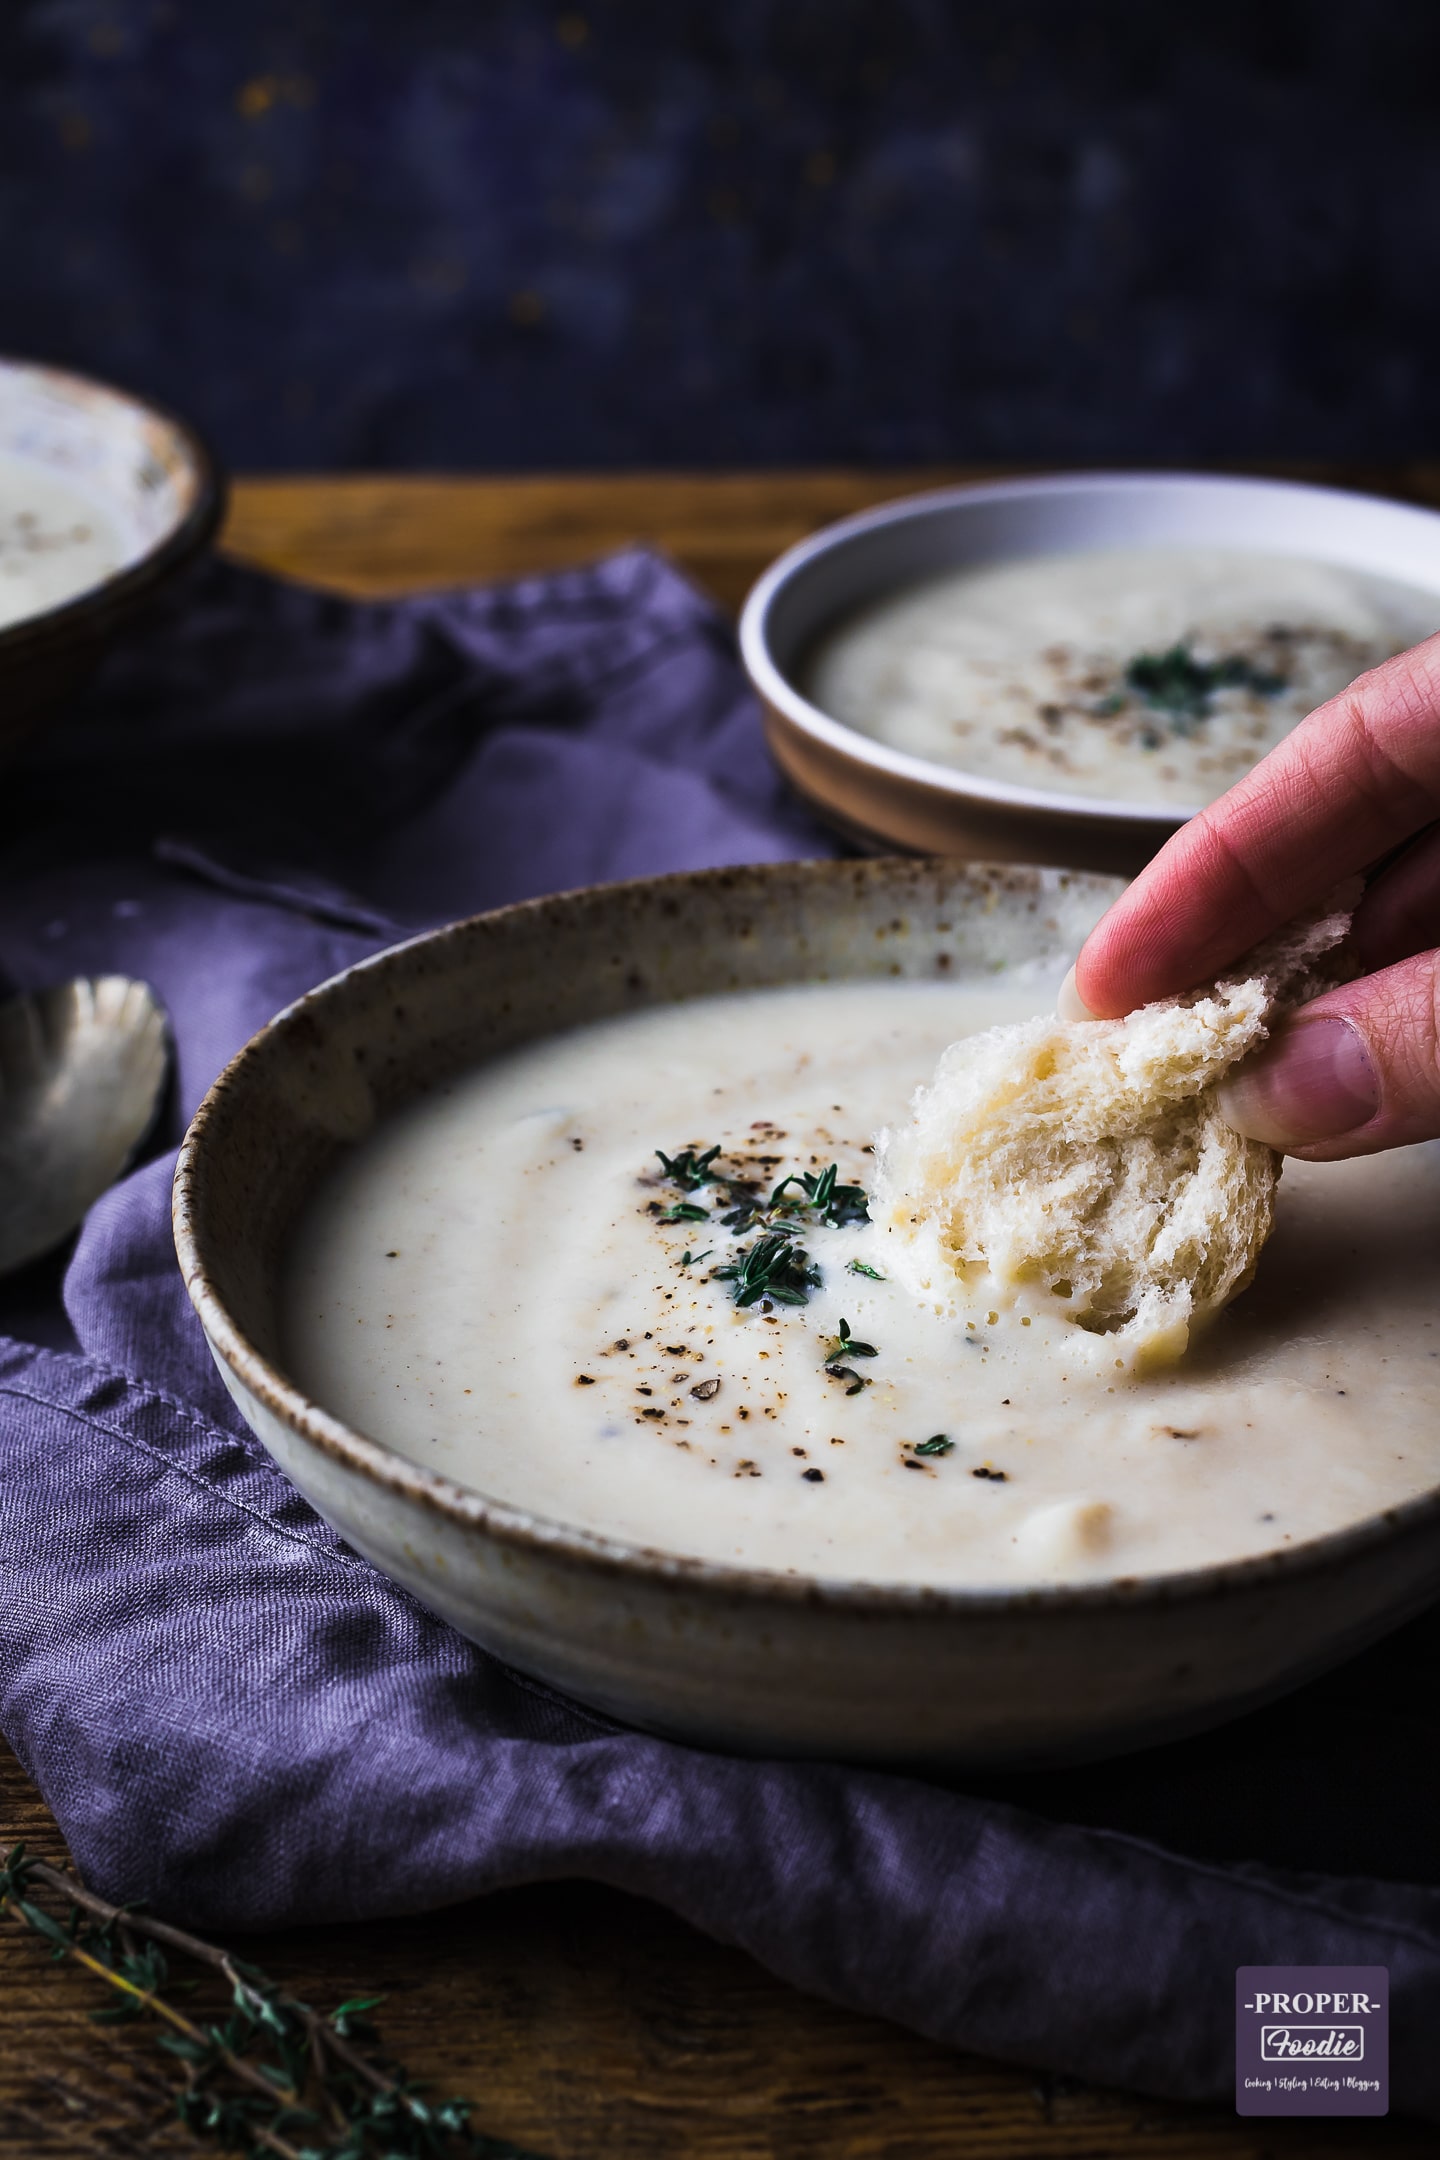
377, 536
374, 536
578, 2020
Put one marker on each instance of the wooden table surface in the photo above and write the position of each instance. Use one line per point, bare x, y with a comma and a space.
580, 2021
367, 535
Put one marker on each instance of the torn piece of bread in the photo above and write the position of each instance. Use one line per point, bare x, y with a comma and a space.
1086, 1161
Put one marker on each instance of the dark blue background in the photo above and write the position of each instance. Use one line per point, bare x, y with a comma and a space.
426, 232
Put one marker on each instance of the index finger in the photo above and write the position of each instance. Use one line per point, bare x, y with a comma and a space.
1354, 779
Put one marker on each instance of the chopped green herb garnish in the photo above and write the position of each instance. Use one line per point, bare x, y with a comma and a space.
845, 1345
937, 1444
846, 1373
689, 1170
820, 1194
1179, 685
693, 1259
685, 1211
833, 1202
774, 1267
863, 1267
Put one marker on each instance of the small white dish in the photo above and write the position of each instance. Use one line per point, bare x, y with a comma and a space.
886, 798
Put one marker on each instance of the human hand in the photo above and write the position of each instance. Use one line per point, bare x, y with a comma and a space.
1357, 1070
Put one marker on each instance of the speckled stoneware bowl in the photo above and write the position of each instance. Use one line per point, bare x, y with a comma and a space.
727, 1656
887, 798
147, 475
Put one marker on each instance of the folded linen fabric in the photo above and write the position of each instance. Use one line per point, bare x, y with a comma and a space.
237, 1719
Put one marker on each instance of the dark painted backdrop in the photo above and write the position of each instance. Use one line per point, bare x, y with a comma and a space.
436, 232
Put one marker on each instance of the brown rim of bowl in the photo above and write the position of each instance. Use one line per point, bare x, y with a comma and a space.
518, 1527
195, 530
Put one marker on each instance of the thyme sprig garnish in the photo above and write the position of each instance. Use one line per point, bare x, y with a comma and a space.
269, 2076
937, 1444
689, 1170
856, 1383
821, 1196
745, 1211
844, 1345
863, 1267
840, 1347
834, 1203
1180, 686
773, 1267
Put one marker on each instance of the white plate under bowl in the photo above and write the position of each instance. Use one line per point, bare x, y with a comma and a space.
888, 798
724, 1655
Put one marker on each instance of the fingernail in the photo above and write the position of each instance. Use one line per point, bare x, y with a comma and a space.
1313, 1082
1069, 1005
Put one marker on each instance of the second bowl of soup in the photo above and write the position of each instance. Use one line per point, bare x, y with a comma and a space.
1064, 670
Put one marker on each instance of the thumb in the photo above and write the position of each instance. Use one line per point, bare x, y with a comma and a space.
1357, 1071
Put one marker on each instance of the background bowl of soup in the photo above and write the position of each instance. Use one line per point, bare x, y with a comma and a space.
103, 500
457, 1234
1064, 669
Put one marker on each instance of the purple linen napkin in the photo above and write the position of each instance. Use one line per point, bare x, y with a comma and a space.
241, 1722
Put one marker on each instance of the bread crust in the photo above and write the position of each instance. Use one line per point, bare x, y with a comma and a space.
1085, 1164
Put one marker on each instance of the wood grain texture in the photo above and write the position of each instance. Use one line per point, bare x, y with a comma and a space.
373, 536
578, 2020
377, 536
584, 2022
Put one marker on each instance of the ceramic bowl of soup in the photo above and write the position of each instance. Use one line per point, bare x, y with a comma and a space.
483, 1237
1065, 669
103, 499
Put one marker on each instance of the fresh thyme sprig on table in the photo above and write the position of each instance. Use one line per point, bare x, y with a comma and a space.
274, 2076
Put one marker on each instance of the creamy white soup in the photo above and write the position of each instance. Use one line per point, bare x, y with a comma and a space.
1142, 675
506, 1284
54, 542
